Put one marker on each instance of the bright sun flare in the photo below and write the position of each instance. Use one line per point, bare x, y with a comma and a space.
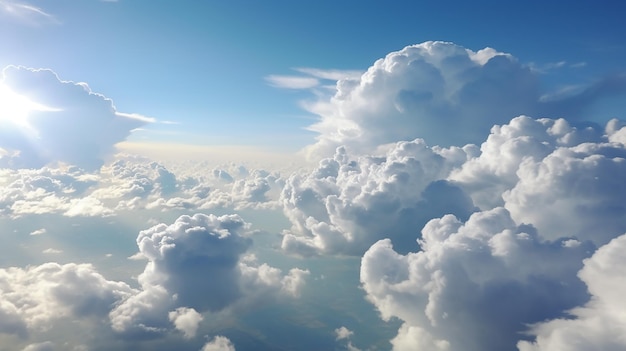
15, 108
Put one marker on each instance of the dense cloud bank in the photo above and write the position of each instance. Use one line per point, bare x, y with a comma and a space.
134, 184
565, 181
496, 238
477, 248
196, 266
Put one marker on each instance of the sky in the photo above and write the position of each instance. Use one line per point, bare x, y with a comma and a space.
328, 175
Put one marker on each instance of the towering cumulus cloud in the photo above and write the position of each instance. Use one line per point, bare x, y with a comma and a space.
44, 119
438, 91
446, 95
486, 210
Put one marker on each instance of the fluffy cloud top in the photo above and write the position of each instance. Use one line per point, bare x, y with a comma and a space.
186, 320
474, 285
219, 343
443, 93
347, 203
565, 180
77, 126
438, 91
37, 296
195, 265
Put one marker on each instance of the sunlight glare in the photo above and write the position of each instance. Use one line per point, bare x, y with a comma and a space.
15, 108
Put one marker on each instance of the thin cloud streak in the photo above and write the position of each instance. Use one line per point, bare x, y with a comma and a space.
26, 13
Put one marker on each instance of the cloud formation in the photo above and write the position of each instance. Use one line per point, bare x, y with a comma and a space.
474, 285
219, 343
349, 202
25, 12
78, 127
36, 297
196, 265
444, 94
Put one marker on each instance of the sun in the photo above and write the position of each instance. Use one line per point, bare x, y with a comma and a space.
15, 108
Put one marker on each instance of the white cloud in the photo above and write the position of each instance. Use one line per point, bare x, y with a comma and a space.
311, 78
438, 91
347, 203
474, 285
292, 82
52, 251
80, 128
135, 184
186, 320
25, 12
37, 296
330, 74
343, 333
443, 93
179, 255
42, 346
219, 343
600, 324
38, 231
523, 139
576, 191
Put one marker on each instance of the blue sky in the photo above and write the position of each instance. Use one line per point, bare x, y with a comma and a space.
203, 64
312, 175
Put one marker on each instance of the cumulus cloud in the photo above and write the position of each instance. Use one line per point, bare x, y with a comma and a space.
600, 324
35, 297
219, 343
565, 180
77, 126
186, 320
343, 333
348, 202
133, 184
521, 140
475, 285
197, 264
443, 93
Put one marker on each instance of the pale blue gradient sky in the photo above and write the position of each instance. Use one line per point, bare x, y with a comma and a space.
204, 64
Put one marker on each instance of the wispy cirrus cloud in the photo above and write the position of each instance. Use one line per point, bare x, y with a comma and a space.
330, 74
310, 78
292, 82
26, 13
